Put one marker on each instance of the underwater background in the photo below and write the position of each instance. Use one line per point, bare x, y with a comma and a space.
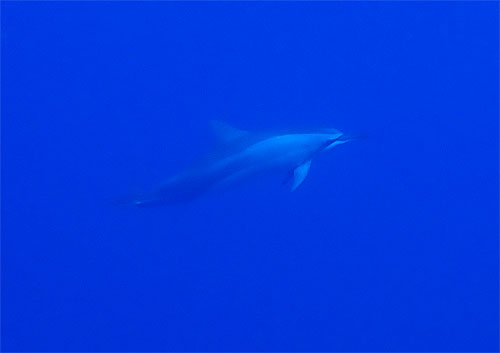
391, 243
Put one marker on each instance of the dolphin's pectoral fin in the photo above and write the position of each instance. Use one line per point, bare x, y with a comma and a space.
299, 174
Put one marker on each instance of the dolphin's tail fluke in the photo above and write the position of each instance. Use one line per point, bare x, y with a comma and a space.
142, 200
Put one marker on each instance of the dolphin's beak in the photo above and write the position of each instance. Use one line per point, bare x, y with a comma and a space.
346, 138
343, 139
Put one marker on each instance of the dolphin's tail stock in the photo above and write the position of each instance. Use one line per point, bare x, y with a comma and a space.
175, 190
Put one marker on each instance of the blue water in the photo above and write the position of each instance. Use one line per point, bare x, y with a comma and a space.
391, 243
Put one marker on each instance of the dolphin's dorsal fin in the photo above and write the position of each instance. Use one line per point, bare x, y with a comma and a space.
226, 133
300, 173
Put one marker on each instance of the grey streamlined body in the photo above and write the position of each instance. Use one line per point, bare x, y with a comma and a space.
241, 153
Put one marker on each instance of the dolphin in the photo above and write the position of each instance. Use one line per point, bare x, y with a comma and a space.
241, 153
